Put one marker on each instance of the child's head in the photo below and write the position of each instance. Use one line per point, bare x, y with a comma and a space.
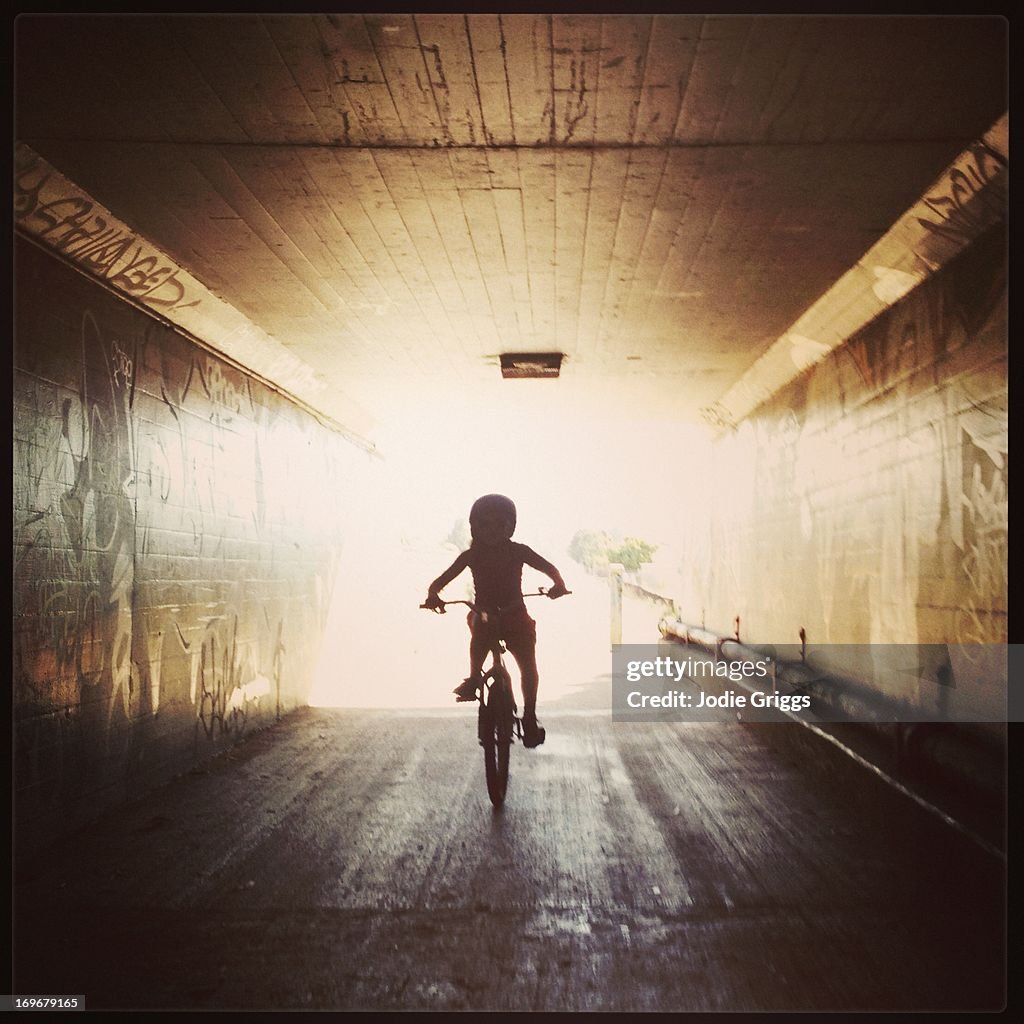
492, 519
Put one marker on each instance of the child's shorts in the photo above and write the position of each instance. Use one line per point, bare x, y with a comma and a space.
514, 626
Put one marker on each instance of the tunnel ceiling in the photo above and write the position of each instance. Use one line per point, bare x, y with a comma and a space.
397, 199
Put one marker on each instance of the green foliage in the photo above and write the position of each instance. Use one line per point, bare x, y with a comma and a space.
589, 548
632, 553
595, 550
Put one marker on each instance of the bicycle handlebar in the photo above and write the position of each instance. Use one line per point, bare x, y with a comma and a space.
540, 592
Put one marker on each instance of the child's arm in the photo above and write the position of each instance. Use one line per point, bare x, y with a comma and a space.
535, 561
445, 578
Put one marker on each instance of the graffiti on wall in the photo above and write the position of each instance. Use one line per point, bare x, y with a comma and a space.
169, 576
971, 196
225, 682
905, 479
49, 208
880, 481
983, 546
74, 543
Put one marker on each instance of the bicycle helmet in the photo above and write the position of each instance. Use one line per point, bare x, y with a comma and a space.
495, 506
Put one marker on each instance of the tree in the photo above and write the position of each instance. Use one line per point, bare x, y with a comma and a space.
460, 535
595, 549
632, 553
589, 547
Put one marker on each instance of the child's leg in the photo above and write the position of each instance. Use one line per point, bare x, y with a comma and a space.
478, 648
521, 639
479, 643
529, 677
526, 658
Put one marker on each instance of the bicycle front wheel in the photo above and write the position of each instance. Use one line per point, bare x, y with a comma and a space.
496, 736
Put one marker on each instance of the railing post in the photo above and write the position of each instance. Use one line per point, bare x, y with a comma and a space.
615, 571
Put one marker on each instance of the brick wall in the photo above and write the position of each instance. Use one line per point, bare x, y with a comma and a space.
176, 531
867, 501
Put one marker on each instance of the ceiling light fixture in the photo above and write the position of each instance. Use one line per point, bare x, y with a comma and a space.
530, 364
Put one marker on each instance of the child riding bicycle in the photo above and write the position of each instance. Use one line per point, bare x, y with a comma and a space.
496, 563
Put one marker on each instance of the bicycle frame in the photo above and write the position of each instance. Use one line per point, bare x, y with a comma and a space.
497, 722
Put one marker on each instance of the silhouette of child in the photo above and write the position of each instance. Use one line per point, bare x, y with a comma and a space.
496, 562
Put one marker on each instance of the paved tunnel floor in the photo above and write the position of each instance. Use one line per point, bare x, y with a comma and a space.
350, 860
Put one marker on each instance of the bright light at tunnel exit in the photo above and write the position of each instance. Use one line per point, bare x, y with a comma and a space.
566, 470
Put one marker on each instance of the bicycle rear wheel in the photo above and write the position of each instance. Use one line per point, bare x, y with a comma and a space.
496, 735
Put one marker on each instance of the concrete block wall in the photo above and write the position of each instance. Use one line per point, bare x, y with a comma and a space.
867, 501
177, 527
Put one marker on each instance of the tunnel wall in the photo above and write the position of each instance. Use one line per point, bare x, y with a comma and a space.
867, 501
177, 526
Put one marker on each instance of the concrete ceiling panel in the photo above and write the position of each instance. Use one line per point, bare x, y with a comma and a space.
404, 196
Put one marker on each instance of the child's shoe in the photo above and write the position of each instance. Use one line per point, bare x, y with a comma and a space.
533, 732
466, 690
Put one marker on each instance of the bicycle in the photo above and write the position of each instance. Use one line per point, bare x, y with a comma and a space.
497, 722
